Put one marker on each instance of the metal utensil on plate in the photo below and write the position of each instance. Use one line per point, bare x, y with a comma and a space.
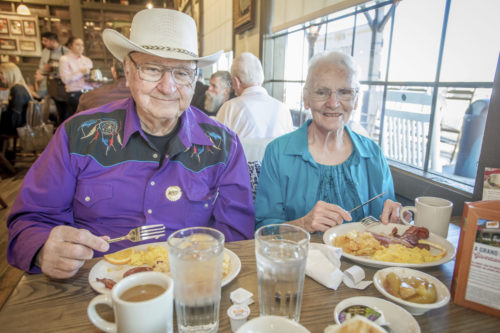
142, 233
368, 219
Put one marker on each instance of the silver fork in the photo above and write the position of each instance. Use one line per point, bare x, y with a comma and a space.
369, 220
142, 233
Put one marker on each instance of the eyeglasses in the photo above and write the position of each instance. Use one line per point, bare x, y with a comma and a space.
154, 73
343, 94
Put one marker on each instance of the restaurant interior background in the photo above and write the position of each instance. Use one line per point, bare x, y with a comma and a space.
428, 68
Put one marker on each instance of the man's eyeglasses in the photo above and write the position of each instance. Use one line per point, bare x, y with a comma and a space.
154, 73
324, 94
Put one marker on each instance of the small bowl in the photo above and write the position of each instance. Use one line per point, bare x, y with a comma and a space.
271, 324
416, 309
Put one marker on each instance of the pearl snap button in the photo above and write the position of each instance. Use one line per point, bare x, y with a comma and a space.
153, 183
150, 211
87, 198
155, 155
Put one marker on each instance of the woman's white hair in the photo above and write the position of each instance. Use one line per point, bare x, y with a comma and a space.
333, 58
248, 69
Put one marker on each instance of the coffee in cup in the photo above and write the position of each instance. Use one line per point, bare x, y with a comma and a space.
142, 302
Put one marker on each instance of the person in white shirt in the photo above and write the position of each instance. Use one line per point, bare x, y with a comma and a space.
253, 114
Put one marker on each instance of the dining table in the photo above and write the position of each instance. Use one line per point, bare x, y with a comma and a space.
41, 304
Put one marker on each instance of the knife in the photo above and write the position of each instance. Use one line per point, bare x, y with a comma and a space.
364, 203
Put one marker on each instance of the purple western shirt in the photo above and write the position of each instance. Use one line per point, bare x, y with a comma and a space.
100, 173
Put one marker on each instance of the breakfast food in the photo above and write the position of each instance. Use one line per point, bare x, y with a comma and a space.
411, 247
357, 324
154, 258
121, 257
412, 288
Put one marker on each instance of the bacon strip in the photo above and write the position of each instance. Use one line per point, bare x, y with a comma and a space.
108, 283
136, 270
410, 238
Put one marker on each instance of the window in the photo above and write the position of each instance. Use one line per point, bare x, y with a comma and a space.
427, 76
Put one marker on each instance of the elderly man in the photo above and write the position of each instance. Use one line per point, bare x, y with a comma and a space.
145, 160
253, 114
219, 91
108, 92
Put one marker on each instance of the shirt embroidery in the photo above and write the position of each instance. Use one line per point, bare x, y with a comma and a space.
106, 128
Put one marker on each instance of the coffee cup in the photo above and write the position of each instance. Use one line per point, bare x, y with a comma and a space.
432, 213
141, 302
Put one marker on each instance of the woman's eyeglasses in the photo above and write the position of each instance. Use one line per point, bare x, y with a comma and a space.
154, 73
324, 94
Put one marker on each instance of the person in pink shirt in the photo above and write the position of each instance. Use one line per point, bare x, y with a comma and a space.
74, 68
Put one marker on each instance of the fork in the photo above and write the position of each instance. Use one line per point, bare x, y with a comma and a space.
369, 220
142, 233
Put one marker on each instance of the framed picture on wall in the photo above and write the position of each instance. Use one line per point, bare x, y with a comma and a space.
27, 45
243, 15
29, 28
8, 44
4, 26
16, 27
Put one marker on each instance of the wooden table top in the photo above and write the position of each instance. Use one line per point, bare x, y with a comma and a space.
39, 304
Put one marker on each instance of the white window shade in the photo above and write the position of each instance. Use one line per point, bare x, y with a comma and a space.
287, 13
218, 26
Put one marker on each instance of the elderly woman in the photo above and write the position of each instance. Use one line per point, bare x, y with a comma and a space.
312, 177
74, 68
19, 96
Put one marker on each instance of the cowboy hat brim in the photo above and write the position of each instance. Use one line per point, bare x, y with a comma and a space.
120, 47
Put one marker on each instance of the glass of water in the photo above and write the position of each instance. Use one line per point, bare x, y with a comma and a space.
281, 252
196, 264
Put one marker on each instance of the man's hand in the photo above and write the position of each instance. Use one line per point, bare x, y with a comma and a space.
390, 213
324, 216
66, 250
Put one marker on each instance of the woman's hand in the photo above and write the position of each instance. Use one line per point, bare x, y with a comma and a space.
390, 213
324, 216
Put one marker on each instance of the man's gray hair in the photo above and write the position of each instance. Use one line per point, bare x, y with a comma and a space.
333, 58
248, 69
225, 78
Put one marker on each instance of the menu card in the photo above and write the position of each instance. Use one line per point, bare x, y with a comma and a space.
491, 185
476, 278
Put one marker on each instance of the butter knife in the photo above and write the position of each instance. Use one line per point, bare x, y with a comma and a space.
364, 203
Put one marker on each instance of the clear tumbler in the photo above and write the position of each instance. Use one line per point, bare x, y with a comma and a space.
281, 252
196, 265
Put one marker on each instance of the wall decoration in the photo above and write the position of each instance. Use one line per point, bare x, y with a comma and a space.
27, 45
16, 27
8, 44
243, 15
29, 28
4, 26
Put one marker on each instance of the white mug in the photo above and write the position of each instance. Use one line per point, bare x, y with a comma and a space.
432, 213
148, 316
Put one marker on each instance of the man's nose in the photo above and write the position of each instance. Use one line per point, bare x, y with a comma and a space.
167, 84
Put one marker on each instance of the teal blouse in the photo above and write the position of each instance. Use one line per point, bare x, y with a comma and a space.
289, 182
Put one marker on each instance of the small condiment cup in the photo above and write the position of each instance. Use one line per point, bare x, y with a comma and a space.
238, 314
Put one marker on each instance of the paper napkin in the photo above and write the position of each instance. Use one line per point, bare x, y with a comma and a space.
323, 265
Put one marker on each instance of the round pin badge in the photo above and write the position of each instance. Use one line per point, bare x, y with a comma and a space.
173, 193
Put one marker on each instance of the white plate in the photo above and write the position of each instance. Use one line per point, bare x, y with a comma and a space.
272, 324
103, 269
443, 294
398, 319
338, 230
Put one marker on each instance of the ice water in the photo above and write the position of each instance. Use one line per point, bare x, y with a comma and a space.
281, 268
197, 273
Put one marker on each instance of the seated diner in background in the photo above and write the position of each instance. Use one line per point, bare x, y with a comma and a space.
19, 97
74, 70
149, 159
313, 176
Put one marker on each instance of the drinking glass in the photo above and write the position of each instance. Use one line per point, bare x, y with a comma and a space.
281, 253
196, 265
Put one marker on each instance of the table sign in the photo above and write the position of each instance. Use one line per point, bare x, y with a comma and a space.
476, 278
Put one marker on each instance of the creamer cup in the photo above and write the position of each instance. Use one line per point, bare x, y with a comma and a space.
238, 314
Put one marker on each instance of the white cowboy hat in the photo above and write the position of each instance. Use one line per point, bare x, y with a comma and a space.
161, 32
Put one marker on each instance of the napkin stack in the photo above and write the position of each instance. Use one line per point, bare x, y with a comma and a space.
323, 265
